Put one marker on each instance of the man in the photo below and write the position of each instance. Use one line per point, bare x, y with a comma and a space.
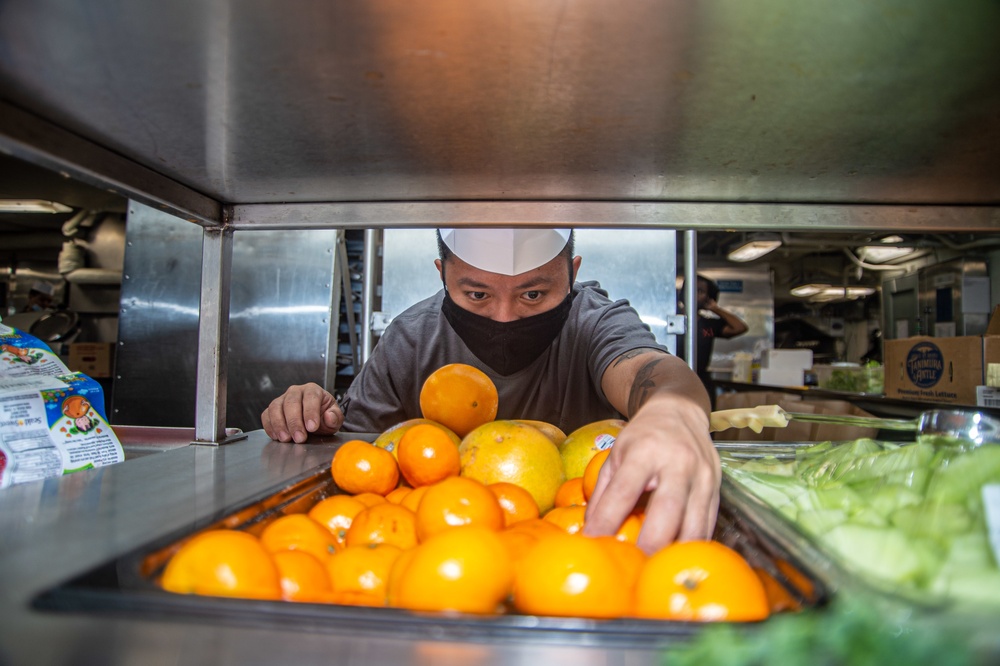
558, 351
39, 297
724, 325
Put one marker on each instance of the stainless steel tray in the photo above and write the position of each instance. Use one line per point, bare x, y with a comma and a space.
128, 584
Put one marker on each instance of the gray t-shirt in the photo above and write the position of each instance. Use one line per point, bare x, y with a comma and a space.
561, 387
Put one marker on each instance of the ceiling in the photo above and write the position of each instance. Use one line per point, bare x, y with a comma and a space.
878, 102
829, 123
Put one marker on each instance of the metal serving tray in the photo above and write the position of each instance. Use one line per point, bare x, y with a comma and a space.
128, 584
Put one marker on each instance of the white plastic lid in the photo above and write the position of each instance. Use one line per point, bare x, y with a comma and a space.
505, 251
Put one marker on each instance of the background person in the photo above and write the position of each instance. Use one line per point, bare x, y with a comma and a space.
724, 324
39, 297
557, 351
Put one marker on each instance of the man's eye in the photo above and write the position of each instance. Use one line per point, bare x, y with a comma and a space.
532, 295
476, 295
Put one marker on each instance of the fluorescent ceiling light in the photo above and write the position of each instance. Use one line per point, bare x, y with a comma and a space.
32, 206
753, 248
826, 292
886, 251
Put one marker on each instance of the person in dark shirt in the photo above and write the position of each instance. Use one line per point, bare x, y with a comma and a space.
724, 325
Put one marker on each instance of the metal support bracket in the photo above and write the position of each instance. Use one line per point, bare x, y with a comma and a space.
213, 336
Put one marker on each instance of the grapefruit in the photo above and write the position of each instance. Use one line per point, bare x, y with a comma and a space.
512, 452
552, 432
583, 444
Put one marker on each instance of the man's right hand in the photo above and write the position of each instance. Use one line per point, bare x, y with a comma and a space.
302, 409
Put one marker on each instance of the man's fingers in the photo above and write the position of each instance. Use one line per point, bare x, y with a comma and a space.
333, 418
665, 511
615, 495
312, 411
273, 420
701, 512
291, 410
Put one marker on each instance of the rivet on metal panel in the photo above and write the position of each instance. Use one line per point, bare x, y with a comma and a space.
676, 324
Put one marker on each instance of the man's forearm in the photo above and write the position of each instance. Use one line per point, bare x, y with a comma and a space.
635, 378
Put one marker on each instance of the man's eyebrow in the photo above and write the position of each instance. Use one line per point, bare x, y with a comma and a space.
538, 281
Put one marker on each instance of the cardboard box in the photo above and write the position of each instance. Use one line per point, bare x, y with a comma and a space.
94, 359
942, 370
784, 367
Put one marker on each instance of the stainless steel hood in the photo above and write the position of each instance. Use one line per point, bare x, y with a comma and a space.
660, 101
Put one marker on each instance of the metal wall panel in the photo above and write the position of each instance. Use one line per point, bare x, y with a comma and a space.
283, 319
638, 265
747, 292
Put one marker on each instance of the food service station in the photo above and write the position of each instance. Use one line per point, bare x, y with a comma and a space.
253, 141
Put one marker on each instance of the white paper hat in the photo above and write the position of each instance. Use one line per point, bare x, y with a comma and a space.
505, 251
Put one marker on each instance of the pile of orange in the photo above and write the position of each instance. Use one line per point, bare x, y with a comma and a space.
485, 524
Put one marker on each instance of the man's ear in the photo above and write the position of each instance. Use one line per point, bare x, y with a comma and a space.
577, 260
440, 268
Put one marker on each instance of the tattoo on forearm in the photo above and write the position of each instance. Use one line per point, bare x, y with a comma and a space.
630, 354
641, 387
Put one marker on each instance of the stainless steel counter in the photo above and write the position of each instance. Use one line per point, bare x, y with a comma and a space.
52, 530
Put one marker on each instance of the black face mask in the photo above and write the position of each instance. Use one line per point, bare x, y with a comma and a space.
507, 346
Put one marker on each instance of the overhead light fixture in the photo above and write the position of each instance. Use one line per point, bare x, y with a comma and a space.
32, 206
887, 250
826, 292
754, 247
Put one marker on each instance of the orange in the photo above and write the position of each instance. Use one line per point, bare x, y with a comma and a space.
629, 530
297, 531
778, 597
629, 558
223, 563
370, 499
514, 453
412, 499
360, 467
303, 577
796, 578
570, 575
384, 523
536, 526
427, 455
516, 502
397, 495
571, 492
582, 444
520, 536
465, 570
397, 574
569, 518
359, 575
457, 501
592, 470
702, 581
336, 514
389, 439
552, 432
460, 397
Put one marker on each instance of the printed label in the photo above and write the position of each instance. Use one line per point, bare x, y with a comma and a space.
925, 364
604, 441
